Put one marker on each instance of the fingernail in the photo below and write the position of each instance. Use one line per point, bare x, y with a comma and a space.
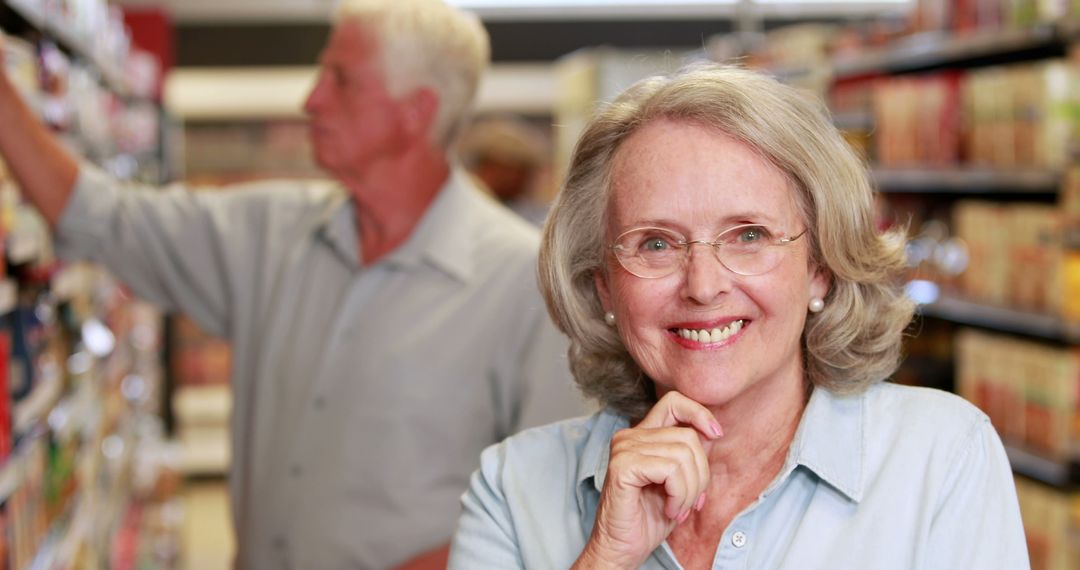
700, 502
716, 429
684, 516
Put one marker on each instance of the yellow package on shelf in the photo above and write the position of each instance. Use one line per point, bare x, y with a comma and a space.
1070, 270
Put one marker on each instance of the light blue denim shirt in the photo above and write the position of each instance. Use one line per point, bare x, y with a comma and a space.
895, 477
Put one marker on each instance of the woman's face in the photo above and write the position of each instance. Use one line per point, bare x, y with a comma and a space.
698, 183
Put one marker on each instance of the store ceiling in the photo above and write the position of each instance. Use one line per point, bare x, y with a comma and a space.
248, 11
230, 33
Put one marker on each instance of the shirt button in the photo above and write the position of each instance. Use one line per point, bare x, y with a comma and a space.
320, 403
278, 542
739, 539
296, 470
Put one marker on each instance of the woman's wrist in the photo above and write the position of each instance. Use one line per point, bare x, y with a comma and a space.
596, 557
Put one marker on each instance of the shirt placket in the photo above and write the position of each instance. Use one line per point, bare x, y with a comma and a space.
362, 290
733, 552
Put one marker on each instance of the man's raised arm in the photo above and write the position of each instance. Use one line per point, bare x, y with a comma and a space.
44, 170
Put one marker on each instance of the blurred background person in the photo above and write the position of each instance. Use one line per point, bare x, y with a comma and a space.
511, 158
386, 325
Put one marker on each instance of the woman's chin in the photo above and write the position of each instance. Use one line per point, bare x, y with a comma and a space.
709, 393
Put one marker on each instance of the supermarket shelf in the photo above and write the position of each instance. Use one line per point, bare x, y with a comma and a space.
1002, 319
790, 73
36, 407
111, 74
967, 181
1071, 238
9, 295
1033, 466
854, 121
938, 49
11, 476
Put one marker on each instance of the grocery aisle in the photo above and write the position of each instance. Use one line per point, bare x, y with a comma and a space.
208, 541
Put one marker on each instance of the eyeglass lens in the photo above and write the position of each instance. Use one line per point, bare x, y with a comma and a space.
656, 252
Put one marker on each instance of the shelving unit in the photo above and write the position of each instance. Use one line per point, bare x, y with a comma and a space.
1058, 474
34, 14
1017, 357
967, 180
85, 380
934, 50
1002, 319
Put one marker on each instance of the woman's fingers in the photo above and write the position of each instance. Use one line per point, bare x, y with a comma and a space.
680, 446
640, 471
674, 409
657, 475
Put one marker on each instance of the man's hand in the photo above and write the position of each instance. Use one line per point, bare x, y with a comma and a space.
42, 168
431, 560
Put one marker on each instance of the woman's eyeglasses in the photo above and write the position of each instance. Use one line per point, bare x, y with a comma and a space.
651, 253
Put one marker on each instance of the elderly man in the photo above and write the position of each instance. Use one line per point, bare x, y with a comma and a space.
386, 325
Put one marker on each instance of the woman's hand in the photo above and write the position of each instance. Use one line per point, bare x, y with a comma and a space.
657, 473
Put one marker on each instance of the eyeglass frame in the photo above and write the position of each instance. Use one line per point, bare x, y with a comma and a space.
713, 245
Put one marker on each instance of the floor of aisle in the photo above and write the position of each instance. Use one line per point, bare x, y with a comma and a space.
208, 541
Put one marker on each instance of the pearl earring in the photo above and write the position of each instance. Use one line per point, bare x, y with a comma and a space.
816, 305
609, 318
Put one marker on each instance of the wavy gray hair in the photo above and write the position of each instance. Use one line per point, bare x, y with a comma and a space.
427, 43
853, 342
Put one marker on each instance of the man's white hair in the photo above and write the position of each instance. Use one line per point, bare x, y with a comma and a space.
426, 43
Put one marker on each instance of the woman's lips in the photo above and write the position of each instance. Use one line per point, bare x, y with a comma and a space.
695, 335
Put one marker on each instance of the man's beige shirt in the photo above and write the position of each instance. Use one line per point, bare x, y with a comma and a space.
363, 394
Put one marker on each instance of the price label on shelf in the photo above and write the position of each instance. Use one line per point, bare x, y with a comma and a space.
9, 293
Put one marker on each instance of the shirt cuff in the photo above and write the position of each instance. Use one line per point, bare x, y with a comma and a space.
88, 214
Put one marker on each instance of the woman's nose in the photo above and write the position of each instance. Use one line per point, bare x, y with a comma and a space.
705, 278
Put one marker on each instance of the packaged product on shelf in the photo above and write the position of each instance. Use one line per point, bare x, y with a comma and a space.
1007, 245
5, 537
976, 223
1070, 211
1034, 248
1051, 95
5, 395
970, 16
1028, 389
20, 65
1019, 115
1048, 524
918, 119
54, 68
92, 110
984, 370
27, 344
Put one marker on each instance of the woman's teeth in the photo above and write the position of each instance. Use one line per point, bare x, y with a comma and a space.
706, 336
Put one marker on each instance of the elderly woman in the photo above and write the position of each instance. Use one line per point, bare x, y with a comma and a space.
714, 261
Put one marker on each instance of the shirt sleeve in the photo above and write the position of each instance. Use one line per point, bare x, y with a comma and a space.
977, 524
485, 536
548, 392
171, 247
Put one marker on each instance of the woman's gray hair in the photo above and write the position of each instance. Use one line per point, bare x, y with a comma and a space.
427, 43
854, 342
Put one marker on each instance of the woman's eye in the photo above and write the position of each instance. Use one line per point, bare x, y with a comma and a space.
655, 244
751, 235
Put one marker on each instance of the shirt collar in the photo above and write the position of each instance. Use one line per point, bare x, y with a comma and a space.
597, 450
338, 228
829, 442
441, 238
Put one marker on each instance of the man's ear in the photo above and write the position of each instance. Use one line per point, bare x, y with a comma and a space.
420, 109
